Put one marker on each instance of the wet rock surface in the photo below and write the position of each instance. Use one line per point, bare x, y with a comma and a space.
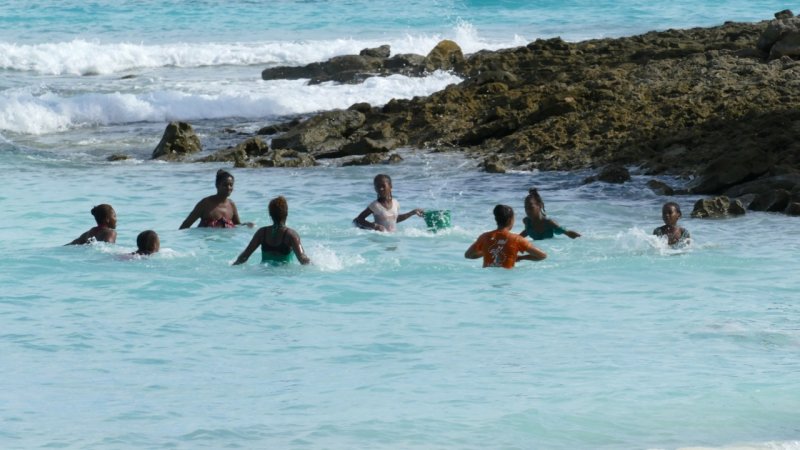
719, 104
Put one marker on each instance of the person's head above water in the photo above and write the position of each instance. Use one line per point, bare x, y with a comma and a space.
670, 213
534, 202
278, 210
105, 215
383, 185
148, 242
224, 183
504, 216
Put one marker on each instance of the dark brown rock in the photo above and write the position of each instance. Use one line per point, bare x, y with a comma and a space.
251, 148
793, 209
446, 55
776, 200
378, 52
118, 157
178, 141
282, 158
660, 188
611, 174
717, 207
325, 132
730, 170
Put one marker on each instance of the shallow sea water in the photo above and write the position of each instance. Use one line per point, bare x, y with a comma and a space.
387, 341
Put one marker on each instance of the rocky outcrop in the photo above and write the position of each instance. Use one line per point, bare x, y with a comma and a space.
178, 141
352, 69
782, 36
247, 150
717, 207
614, 174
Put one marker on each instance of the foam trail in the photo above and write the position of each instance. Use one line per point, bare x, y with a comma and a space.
81, 57
24, 112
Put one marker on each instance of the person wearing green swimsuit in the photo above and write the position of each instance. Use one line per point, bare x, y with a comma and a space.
537, 225
278, 242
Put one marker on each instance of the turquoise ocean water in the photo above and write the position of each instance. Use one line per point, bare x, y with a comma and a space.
386, 341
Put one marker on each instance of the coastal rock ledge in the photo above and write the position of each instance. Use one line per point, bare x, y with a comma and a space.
720, 103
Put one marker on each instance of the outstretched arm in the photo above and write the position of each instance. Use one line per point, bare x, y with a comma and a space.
414, 212
297, 247
571, 234
80, 240
362, 222
251, 247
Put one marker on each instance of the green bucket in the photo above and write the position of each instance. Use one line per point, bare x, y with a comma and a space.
437, 219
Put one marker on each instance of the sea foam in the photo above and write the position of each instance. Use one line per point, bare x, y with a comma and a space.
23, 111
83, 57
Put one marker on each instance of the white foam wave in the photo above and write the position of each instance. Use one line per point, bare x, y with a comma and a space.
23, 111
82, 57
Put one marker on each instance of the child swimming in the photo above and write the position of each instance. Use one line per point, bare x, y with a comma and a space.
216, 211
501, 247
147, 243
385, 208
537, 225
278, 242
670, 213
106, 219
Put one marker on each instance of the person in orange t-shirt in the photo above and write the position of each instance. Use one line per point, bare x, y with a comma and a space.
501, 247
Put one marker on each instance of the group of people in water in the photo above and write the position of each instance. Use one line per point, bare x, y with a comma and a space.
279, 244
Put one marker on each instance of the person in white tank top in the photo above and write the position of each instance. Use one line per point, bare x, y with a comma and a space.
385, 209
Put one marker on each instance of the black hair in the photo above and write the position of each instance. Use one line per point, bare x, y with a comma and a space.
146, 241
673, 205
503, 215
533, 194
278, 209
223, 174
102, 212
382, 176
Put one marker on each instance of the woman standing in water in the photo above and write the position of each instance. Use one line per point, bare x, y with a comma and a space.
278, 242
216, 211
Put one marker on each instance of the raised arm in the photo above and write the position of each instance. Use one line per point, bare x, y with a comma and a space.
297, 247
414, 212
362, 222
258, 237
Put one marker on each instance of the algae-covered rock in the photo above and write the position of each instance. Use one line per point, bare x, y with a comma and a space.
717, 207
178, 141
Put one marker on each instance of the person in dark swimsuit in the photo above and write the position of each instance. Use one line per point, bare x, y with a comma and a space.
105, 231
278, 242
537, 225
216, 211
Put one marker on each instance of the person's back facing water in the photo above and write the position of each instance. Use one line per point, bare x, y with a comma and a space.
278, 242
501, 247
